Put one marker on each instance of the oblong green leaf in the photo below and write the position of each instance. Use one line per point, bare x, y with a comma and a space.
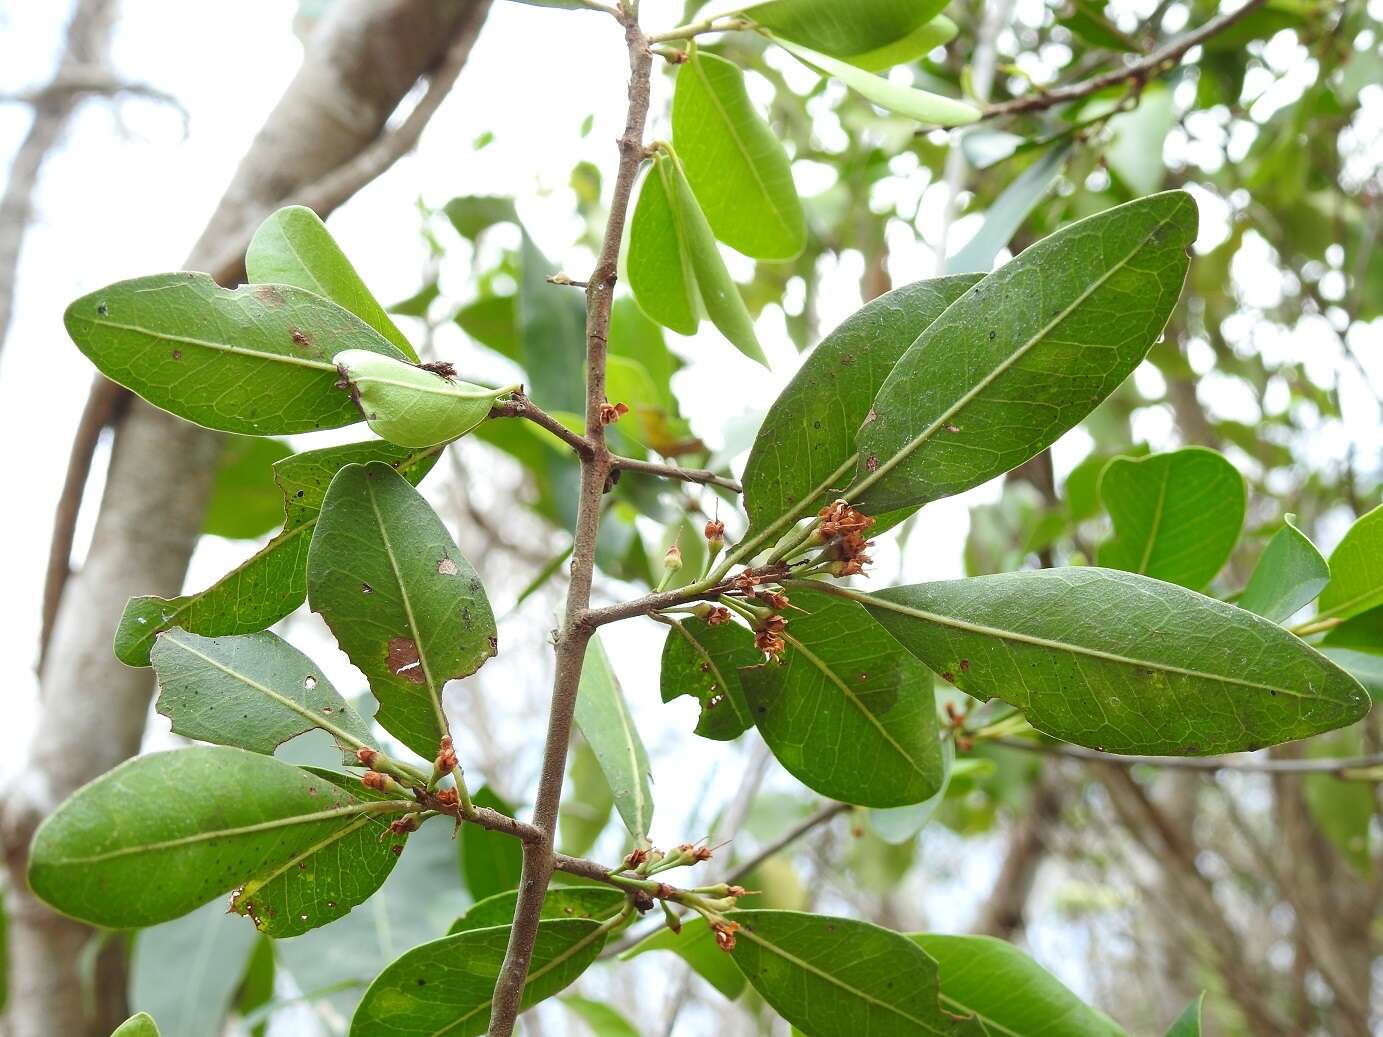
218, 942
602, 1020
255, 691
594, 902
410, 405
1177, 516
847, 692
703, 661
839, 976
1289, 574
1356, 570
696, 945
586, 804
272, 582
293, 246
808, 435
1007, 991
603, 718
401, 600
658, 266
1122, 663
1188, 1024
256, 360
490, 861
1025, 354
447, 986
164, 833
845, 27
922, 105
245, 503
918, 43
734, 161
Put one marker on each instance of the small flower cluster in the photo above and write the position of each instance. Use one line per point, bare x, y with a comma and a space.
842, 530
768, 635
612, 412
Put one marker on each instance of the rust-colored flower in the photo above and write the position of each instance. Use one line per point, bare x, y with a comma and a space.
719, 614
446, 756
769, 635
773, 599
366, 756
840, 519
447, 799
715, 530
725, 934
375, 780
635, 857
612, 412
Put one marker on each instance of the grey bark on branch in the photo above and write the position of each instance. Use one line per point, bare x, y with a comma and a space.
363, 59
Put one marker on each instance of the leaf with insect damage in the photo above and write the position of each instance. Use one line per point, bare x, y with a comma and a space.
402, 601
703, 661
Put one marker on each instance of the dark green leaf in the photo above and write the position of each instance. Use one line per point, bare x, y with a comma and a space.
1025, 354
594, 902
839, 976
1356, 570
1188, 1024
446, 986
1009, 992
696, 945
806, 444
490, 861
254, 691
1176, 516
1006, 216
256, 360
1120, 662
845, 27
162, 834
402, 602
847, 692
587, 803
208, 951
245, 503
1289, 575
294, 247
272, 582
703, 661
141, 1024
734, 161
602, 716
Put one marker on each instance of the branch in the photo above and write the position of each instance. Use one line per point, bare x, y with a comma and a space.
520, 406
1138, 72
788, 838
595, 470
1352, 768
703, 476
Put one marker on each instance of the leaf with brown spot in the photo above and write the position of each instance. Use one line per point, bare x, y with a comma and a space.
418, 626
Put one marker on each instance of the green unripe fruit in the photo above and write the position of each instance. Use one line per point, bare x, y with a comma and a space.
409, 405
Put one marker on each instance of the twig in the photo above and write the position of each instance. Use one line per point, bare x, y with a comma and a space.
1138, 72
595, 470
789, 837
703, 476
1339, 767
520, 406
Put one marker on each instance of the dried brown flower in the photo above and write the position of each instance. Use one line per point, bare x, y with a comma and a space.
612, 412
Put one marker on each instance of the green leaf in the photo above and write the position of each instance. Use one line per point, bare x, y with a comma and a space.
273, 581
1006, 216
735, 163
593, 902
208, 951
839, 976
917, 44
255, 691
294, 247
600, 1018
256, 360
1025, 354
807, 441
1356, 570
141, 1024
602, 717
1288, 576
1119, 662
899, 825
164, 833
587, 803
1176, 516
402, 602
844, 692
925, 107
1009, 992
1135, 151
413, 406
256, 990
490, 861
493, 322
245, 503
1342, 810
552, 334
446, 986
659, 268
703, 661
1188, 1024
472, 215
417, 304
696, 945
1087, 20
845, 27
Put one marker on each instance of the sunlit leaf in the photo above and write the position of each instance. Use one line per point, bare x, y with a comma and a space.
603, 718
1289, 575
1356, 570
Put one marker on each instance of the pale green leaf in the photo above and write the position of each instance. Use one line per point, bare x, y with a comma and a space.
599, 1017
917, 44
845, 27
552, 334
413, 406
1188, 1024
293, 246
256, 360
703, 661
141, 1024
245, 502
594, 902
659, 267
1289, 574
1005, 217
696, 945
1087, 21
1135, 151
586, 802
603, 718
1356, 570
898, 825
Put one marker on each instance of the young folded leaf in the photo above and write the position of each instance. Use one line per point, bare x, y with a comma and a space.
272, 582
410, 405
922, 105
1177, 516
1120, 662
256, 360
401, 600
735, 163
1025, 354
447, 986
255, 691
293, 246
164, 833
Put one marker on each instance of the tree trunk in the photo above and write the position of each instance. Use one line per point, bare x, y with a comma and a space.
359, 64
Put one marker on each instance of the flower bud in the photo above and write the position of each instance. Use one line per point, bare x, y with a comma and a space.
672, 561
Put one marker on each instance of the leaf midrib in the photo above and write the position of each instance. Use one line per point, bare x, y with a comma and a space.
221, 347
